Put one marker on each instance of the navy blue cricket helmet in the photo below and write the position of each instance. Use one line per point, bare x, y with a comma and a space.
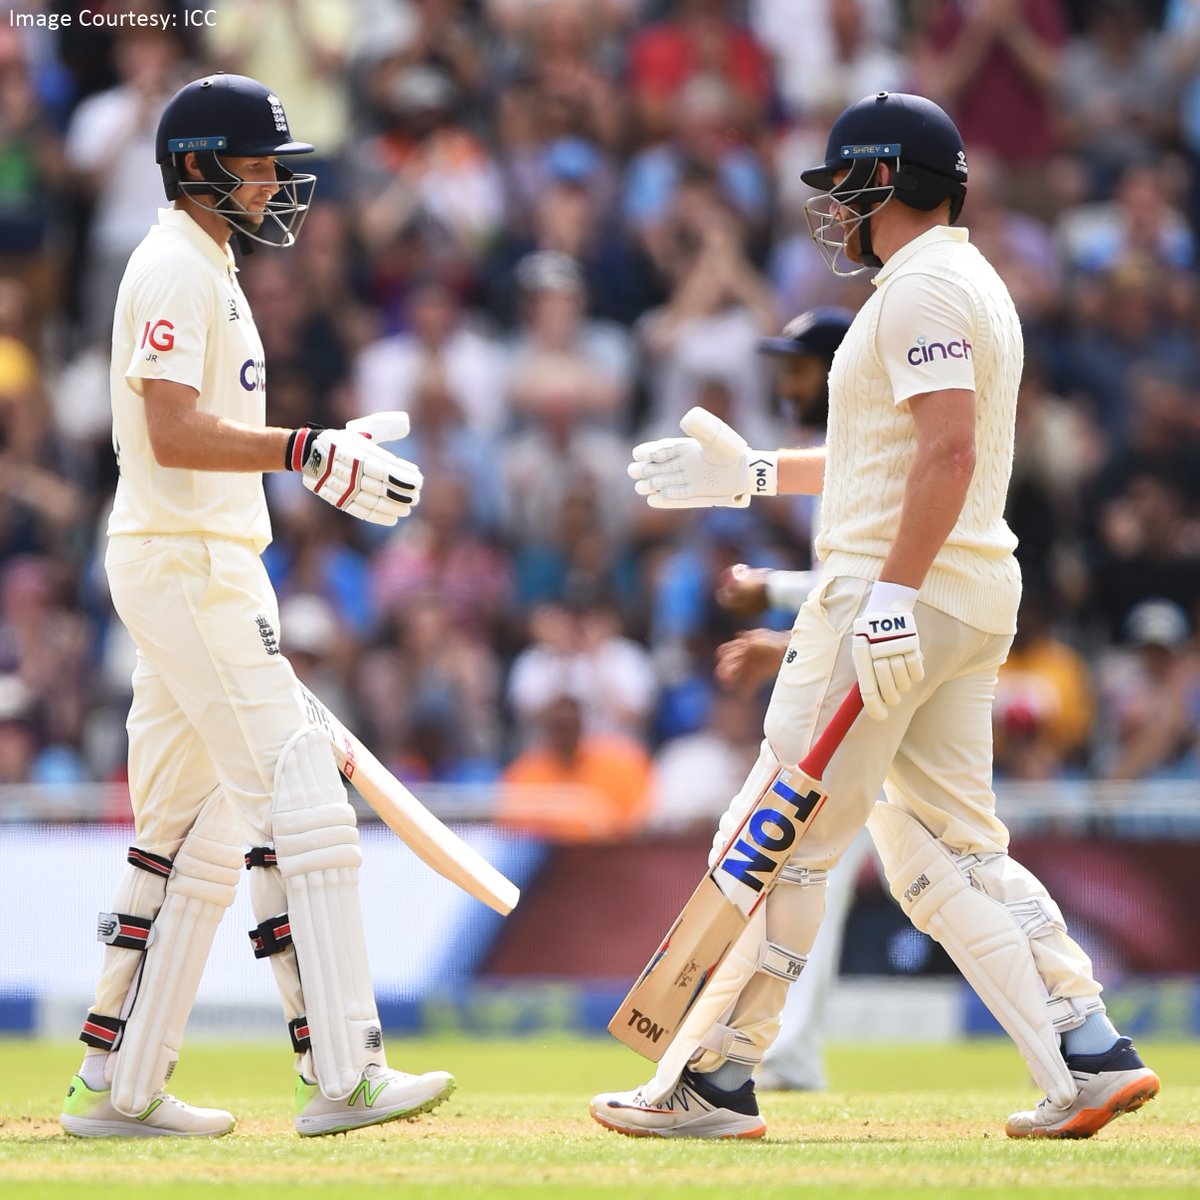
236, 117
911, 134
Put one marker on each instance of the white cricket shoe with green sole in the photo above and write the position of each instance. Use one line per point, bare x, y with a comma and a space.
91, 1114
380, 1095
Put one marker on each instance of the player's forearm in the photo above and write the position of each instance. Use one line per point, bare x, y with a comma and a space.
934, 494
802, 472
196, 441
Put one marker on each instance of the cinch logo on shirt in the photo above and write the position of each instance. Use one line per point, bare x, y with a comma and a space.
926, 351
159, 334
253, 375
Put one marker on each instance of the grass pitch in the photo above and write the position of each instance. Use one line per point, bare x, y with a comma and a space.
900, 1122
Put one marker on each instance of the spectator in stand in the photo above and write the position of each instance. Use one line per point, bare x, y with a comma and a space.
1148, 718
847, 51
438, 335
693, 773
554, 325
1115, 91
441, 558
698, 37
448, 728
719, 307
572, 211
703, 144
572, 785
302, 48
994, 65
32, 172
577, 558
42, 508
18, 739
110, 152
1139, 224
426, 167
577, 649
1126, 324
558, 445
1045, 701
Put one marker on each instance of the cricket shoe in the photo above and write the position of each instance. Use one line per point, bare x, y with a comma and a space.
769, 1079
380, 1095
91, 1114
694, 1109
1110, 1084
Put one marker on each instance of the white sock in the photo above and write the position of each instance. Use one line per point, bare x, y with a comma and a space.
92, 1071
1094, 1036
730, 1075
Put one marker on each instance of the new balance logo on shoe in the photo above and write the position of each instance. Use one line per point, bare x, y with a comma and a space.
368, 1093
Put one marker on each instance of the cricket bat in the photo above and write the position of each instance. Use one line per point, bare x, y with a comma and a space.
439, 846
728, 895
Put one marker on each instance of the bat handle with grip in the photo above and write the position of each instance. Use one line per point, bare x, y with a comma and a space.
813, 764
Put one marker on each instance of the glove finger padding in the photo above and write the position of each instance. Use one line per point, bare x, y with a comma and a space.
721, 442
381, 426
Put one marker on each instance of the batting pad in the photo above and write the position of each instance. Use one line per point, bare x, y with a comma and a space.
201, 887
316, 848
982, 936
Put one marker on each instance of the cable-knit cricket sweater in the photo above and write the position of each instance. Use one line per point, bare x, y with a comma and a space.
951, 324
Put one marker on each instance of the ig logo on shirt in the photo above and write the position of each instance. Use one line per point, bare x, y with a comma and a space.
253, 375
926, 351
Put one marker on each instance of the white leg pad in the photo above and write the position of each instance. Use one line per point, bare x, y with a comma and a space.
980, 934
737, 1018
201, 887
316, 846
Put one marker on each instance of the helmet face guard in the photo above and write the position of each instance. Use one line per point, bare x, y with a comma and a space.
277, 225
828, 214
221, 117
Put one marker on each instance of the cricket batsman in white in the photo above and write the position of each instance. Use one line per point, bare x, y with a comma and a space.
221, 753
917, 603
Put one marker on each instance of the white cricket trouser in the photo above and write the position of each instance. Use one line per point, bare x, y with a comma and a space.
932, 756
214, 700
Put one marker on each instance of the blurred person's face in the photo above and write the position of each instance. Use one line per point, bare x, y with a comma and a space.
563, 218
145, 61
554, 314
800, 381
433, 315
846, 23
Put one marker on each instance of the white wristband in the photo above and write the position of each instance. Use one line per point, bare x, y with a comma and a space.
891, 597
764, 472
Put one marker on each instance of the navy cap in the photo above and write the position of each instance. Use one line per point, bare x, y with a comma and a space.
819, 332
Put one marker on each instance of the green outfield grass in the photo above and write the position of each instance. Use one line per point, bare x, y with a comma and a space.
900, 1122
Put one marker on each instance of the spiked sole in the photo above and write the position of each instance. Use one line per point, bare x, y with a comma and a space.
1091, 1120
89, 1128
382, 1118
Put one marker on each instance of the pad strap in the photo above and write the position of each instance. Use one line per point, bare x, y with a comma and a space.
100, 1032
732, 1044
271, 936
298, 1030
781, 962
121, 929
154, 864
261, 856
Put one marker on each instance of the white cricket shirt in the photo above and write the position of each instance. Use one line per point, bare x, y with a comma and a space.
940, 318
181, 316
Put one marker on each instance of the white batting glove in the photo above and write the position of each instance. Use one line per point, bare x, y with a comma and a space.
887, 648
714, 467
352, 471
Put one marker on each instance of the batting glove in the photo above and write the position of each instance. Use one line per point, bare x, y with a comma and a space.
887, 648
714, 467
349, 469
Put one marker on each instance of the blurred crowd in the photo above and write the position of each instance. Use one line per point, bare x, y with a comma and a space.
546, 228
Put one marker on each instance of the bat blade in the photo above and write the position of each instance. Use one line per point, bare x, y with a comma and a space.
436, 844
721, 906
